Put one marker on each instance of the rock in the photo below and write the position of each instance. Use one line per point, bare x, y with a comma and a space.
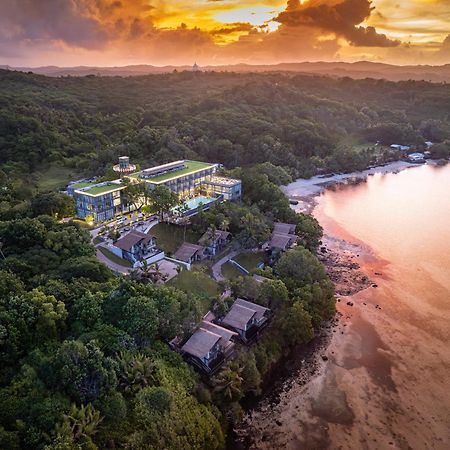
350, 303
325, 357
378, 274
374, 285
279, 422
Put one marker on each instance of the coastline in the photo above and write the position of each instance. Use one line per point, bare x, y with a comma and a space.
358, 391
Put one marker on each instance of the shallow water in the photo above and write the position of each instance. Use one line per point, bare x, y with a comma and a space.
387, 381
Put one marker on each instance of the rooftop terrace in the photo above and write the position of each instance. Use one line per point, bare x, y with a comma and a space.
190, 167
98, 189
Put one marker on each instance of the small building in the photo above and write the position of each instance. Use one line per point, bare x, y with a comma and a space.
284, 228
190, 253
246, 319
136, 246
402, 148
228, 188
283, 238
417, 158
209, 347
215, 241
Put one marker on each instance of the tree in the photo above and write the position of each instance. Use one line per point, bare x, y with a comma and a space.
163, 200
273, 294
79, 426
255, 231
298, 267
228, 383
309, 231
295, 325
54, 204
83, 372
136, 194
136, 371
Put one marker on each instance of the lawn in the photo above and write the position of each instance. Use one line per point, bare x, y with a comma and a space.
250, 260
196, 283
114, 258
191, 166
229, 271
55, 177
169, 237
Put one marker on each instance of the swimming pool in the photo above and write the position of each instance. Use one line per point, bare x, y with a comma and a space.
194, 203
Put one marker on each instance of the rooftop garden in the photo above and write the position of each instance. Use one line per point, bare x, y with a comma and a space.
109, 187
191, 166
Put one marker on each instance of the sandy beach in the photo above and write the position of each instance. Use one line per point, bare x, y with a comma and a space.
383, 380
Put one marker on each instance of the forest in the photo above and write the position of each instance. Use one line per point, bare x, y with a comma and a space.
55, 129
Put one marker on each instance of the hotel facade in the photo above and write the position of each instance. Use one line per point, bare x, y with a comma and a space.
190, 180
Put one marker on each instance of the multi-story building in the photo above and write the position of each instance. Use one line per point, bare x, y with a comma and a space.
193, 181
99, 201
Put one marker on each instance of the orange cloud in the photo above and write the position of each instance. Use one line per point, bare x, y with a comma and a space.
107, 32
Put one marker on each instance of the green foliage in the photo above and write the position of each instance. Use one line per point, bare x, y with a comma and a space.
163, 199
53, 204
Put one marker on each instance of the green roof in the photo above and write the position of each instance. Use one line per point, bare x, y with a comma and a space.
82, 184
103, 189
191, 167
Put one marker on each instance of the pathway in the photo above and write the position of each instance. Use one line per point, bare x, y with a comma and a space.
217, 267
112, 265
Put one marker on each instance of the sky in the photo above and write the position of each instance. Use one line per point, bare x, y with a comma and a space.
215, 32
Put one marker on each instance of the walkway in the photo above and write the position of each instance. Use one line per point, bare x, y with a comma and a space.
217, 267
112, 265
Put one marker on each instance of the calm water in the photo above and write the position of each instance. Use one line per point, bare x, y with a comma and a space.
387, 381
404, 217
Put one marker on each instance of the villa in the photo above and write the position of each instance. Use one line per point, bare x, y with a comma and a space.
214, 241
190, 253
137, 246
246, 319
283, 238
193, 181
209, 347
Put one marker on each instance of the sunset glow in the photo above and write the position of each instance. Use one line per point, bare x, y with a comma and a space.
117, 32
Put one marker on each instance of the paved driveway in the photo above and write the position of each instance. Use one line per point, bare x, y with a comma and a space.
217, 267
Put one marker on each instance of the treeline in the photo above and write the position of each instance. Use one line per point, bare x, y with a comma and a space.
304, 123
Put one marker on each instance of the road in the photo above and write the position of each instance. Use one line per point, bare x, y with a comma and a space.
217, 267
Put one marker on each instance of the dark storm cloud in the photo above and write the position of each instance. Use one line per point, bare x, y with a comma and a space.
50, 20
340, 17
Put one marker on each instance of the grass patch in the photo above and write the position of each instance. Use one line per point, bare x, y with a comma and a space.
250, 260
55, 177
191, 166
169, 237
114, 258
229, 271
197, 283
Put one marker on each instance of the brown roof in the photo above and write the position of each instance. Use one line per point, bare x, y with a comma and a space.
284, 228
201, 343
282, 241
218, 234
238, 316
187, 251
132, 238
260, 310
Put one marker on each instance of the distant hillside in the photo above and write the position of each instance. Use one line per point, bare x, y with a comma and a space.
358, 70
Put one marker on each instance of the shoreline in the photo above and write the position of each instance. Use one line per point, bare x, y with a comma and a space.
381, 355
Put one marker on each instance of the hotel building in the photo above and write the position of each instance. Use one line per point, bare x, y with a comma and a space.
192, 180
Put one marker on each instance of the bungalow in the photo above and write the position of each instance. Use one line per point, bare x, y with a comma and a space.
189, 253
136, 246
215, 241
283, 238
246, 319
209, 347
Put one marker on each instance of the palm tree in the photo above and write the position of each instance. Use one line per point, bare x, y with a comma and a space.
229, 383
136, 371
82, 423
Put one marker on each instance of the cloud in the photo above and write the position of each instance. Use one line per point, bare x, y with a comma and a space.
50, 20
340, 17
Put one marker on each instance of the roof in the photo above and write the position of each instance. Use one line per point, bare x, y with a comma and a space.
186, 168
218, 234
284, 228
223, 181
260, 310
260, 279
282, 241
224, 333
132, 238
187, 251
100, 188
239, 316
201, 343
